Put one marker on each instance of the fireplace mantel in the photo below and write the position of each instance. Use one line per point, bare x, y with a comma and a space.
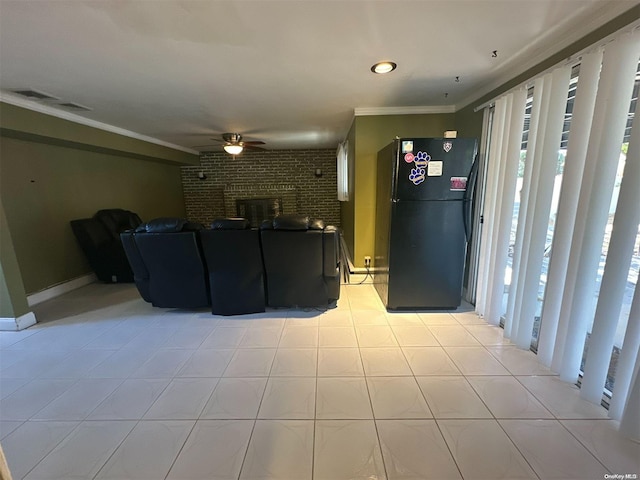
288, 194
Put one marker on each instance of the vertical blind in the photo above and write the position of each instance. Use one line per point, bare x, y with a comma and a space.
600, 113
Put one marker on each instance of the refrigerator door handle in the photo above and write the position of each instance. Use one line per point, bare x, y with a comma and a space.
467, 202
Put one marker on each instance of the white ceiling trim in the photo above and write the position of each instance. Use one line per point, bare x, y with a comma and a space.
366, 111
604, 14
72, 117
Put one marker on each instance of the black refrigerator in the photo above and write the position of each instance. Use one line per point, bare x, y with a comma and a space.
423, 214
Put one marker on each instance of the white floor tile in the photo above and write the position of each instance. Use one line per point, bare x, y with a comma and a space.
347, 449
115, 338
507, 398
251, 362
130, 400
79, 400
453, 336
369, 317
224, 337
290, 393
452, 397
404, 319
518, 361
482, 450
375, 336
31, 442
183, 399
261, 337
384, 362
488, 334
297, 336
10, 385
148, 451
468, 318
414, 336
562, 399
188, 338
289, 397
397, 397
295, 362
151, 337
342, 398
339, 362
475, 361
29, 399
430, 361
337, 337
415, 449
121, 364
438, 319
206, 363
165, 363
615, 451
235, 398
280, 449
78, 364
552, 451
336, 318
214, 450
8, 426
83, 452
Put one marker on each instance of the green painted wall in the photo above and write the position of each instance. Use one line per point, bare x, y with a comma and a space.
371, 134
43, 186
347, 209
13, 301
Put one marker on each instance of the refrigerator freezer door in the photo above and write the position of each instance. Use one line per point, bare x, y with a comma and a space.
426, 257
433, 168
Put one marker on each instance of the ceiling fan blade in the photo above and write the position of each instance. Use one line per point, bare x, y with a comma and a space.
253, 142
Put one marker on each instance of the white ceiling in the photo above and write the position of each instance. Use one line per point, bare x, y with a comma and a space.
290, 73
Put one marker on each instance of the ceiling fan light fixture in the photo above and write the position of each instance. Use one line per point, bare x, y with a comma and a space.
233, 149
383, 67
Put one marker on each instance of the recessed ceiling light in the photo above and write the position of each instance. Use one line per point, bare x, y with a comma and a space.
383, 67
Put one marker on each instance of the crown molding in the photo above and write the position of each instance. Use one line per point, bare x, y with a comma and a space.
72, 117
366, 111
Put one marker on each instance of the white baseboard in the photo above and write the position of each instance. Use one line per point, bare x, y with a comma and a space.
59, 289
20, 323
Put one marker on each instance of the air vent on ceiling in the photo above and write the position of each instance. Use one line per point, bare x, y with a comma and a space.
75, 106
35, 94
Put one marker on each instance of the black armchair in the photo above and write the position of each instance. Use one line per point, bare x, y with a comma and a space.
234, 261
301, 261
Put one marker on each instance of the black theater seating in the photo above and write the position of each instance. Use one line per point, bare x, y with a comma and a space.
176, 275
291, 261
234, 260
301, 261
140, 271
99, 239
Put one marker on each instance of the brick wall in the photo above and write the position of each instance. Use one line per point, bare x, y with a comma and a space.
316, 196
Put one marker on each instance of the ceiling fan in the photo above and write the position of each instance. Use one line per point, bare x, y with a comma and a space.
233, 144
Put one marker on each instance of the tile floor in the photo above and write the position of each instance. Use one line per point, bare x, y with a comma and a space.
108, 387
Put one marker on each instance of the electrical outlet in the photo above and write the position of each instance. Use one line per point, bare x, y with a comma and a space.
367, 261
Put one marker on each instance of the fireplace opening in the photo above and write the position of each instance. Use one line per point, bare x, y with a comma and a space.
258, 209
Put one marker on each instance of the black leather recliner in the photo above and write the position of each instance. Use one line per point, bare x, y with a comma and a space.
301, 261
177, 275
234, 260
99, 239
140, 271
